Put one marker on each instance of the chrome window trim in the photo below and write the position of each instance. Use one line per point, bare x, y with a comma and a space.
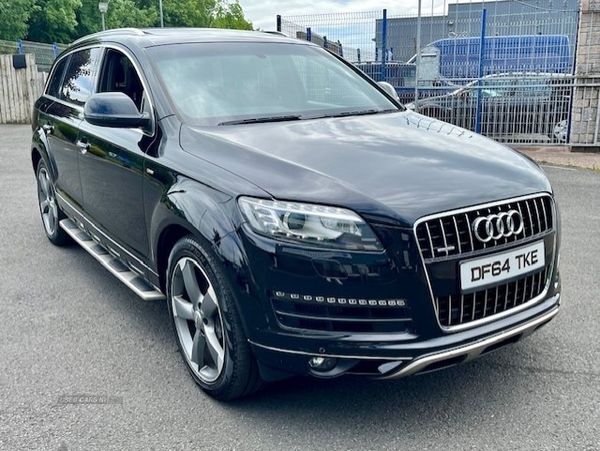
141, 76
104, 47
68, 55
509, 312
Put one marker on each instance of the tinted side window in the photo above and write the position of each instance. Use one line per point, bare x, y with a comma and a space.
53, 88
78, 83
119, 75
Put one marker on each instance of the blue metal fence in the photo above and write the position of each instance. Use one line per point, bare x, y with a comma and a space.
524, 39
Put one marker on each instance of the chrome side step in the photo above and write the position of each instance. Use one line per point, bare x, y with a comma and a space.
133, 280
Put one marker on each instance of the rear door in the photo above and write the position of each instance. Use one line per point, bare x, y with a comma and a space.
71, 84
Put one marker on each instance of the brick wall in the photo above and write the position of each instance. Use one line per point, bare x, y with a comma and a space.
585, 119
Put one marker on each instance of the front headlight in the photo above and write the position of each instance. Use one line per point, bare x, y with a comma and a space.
310, 224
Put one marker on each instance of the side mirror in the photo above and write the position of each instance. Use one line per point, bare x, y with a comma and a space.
389, 90
114, 109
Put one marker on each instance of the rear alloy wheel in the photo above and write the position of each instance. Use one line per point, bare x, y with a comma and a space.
560, 130
49, 210
207, 325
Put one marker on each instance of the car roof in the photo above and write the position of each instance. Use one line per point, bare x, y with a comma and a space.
149, 37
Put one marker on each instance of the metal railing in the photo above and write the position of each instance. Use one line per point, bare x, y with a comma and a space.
531, 44
45, 54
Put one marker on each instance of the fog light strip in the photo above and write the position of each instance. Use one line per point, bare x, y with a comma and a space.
340, 301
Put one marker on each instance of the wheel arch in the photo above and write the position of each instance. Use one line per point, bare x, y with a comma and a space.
198, 211
39, 151
36, 156
170, 235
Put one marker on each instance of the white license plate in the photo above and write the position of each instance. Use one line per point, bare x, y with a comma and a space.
498, 267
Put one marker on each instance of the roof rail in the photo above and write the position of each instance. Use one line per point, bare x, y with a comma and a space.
113, 31
275, 32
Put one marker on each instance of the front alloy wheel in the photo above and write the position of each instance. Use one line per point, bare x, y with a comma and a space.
206, 322
198, 320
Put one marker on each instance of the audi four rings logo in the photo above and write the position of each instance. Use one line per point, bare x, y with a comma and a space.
496, 226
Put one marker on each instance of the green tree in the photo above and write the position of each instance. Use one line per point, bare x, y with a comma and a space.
204, 13
120, 14
188, 13
127, 13
231, 15
14, 15
53, 21
66, 20
89, 19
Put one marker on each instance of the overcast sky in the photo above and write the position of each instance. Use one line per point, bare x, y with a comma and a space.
262, 13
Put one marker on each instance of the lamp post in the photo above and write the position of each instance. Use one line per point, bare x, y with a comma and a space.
103, 7
162, 22
418, 45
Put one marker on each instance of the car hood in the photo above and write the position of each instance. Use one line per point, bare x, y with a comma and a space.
400, 165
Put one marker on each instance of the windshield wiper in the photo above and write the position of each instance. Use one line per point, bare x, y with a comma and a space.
355, 113
258, 120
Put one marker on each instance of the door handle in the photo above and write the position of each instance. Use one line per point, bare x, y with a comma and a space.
83, 146
48, 128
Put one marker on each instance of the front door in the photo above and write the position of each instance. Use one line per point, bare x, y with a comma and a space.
112, 167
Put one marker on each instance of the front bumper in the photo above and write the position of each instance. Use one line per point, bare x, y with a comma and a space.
382, 314
395, 360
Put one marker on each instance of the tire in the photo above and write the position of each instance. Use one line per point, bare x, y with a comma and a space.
50, 212
207, 324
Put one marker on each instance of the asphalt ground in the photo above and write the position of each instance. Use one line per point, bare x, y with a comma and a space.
68, 327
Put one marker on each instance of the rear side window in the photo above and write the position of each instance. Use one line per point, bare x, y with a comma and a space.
56, 78
80, 76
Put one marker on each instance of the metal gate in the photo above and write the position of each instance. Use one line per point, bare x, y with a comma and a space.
503, 68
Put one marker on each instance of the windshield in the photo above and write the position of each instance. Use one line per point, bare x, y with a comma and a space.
234, 82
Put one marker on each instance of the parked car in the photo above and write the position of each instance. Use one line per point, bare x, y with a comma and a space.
297, 219
513, 104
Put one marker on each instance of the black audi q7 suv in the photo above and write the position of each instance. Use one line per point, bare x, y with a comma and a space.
295, 217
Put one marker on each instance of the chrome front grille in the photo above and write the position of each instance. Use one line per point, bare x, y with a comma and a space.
452, 234
334, 314
446, 239
460, 309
